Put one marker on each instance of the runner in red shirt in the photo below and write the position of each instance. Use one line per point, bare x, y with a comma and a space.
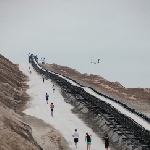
52, 107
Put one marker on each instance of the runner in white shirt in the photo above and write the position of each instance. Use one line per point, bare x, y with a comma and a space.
76, 137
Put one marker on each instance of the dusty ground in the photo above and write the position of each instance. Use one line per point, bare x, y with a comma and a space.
46, 136
138, 98
14, 134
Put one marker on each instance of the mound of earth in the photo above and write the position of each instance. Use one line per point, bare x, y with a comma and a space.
18, 131
14, 134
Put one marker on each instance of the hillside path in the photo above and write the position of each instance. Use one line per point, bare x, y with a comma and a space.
63, 119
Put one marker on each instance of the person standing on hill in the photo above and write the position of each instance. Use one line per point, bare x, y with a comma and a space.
88, 140
47, 96
30, 70
53, 87
52, 108
106, 138
76, 137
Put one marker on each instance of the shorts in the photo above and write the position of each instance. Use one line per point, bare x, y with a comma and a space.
75, 140
46, 98
51, 109
88, 143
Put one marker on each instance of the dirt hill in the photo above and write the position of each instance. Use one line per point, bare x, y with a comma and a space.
14, 134
17, 130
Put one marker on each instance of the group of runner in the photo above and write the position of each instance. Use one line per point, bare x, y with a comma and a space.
47, 97
88, 139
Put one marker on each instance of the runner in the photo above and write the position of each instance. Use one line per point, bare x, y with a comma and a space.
88, 140
53, 88
76, 137
52, 107
29, 70
47, 96
43, 80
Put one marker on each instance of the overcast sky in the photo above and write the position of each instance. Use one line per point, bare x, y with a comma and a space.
72, 32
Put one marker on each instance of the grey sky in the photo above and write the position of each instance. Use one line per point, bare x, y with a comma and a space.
71, 32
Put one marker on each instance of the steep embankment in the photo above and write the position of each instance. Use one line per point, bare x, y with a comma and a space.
14, 134
138, 98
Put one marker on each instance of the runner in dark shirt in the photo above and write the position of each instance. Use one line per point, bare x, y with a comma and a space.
88, 140
106, 138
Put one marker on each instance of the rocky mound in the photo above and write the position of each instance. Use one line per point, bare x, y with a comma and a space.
14, 134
